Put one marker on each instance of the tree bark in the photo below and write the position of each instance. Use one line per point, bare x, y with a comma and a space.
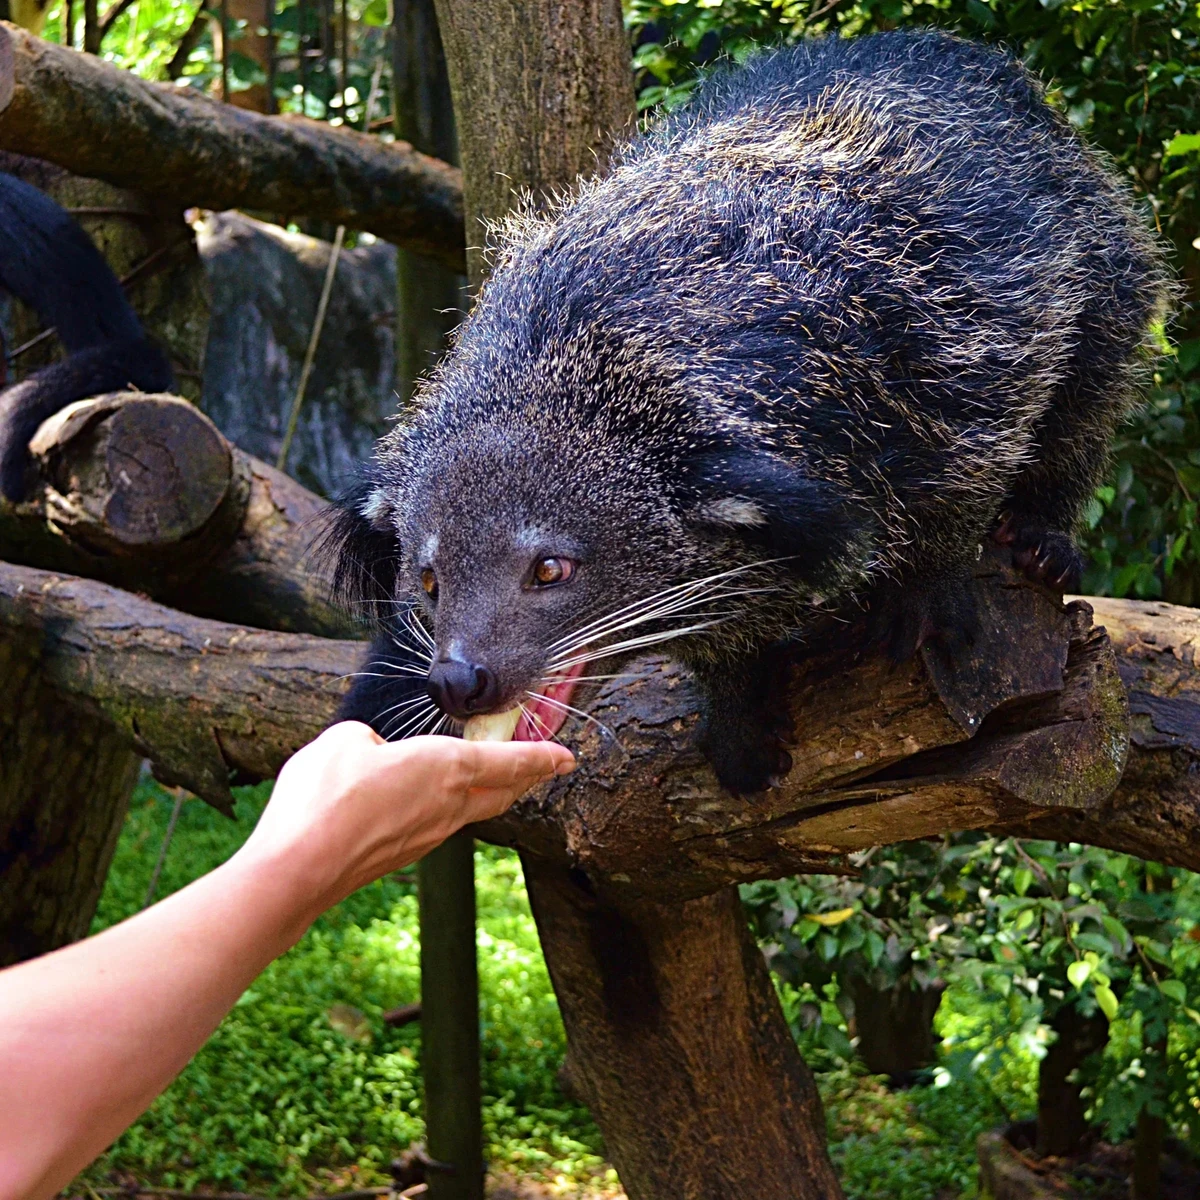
177, 146
65, 781
208, 703
542, 106
679, 1046
243, 700
143, 492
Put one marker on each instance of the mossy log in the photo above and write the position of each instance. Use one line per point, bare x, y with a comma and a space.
176, 145
143, 492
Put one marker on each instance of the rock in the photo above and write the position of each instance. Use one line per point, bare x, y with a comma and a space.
265, 284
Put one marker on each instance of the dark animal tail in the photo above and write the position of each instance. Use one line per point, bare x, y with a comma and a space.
48, 262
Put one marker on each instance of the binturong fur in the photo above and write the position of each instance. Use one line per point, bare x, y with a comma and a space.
47, 261
859, 306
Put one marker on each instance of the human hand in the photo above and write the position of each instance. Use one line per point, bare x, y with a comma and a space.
350, 807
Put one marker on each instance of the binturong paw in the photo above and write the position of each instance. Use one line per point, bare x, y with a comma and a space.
941, 611
747, 761
746, 724
1046, 556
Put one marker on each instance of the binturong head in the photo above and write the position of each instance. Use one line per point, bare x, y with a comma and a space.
590, 473
537, 520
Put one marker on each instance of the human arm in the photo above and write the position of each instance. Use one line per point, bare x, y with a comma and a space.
90, 1034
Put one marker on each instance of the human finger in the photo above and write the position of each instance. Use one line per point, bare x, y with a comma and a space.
514, 764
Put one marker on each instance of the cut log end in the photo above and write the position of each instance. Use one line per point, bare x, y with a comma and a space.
133, 472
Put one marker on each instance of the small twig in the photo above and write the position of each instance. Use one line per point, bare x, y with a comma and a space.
404, 1015
166, 844
110, 18
311, 352
179, 1194
188, 41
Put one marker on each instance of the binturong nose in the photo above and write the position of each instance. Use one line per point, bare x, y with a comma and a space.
461, 688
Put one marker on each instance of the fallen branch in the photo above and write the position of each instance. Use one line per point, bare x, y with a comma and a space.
179, 147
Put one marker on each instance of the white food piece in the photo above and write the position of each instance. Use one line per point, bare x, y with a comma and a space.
495, 727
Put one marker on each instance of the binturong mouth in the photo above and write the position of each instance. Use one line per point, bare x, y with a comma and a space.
536, 719
544, 712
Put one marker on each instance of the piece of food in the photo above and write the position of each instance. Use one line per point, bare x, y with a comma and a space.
494, 727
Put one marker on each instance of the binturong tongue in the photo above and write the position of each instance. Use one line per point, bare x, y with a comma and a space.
494, 727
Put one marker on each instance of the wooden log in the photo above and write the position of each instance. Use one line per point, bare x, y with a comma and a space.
178, 146
143, 492
243, 700
207, 702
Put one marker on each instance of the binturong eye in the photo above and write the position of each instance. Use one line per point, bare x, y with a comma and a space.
548, 571
429, 582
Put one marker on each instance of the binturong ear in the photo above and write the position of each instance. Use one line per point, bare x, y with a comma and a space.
361, 550
770, 503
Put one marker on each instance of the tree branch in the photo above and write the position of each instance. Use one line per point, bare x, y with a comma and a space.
882, 754
179, 147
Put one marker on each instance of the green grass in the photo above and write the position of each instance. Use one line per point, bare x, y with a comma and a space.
279, 1101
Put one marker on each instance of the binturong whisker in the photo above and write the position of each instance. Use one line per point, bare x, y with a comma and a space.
578, 712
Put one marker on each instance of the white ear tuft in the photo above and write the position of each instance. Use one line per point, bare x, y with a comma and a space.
732, 510
377, 508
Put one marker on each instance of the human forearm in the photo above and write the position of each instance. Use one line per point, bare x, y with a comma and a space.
125, 1012
91, 1034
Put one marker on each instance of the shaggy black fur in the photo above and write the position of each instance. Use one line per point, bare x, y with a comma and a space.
857, 305
47, 261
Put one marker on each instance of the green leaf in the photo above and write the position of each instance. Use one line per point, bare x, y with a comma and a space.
1182, 143
1175, 990
1107, 1001
1078, 972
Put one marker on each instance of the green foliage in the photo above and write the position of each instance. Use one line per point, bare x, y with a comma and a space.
1018, 929
913, 1145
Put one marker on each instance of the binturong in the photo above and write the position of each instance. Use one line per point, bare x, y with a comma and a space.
859, 306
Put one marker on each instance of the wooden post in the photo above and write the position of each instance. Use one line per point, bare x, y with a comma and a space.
430, 295
450, 1020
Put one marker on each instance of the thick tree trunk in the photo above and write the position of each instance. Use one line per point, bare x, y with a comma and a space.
179, 147
895, 1027
542, 106
679, 1046
65, 781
